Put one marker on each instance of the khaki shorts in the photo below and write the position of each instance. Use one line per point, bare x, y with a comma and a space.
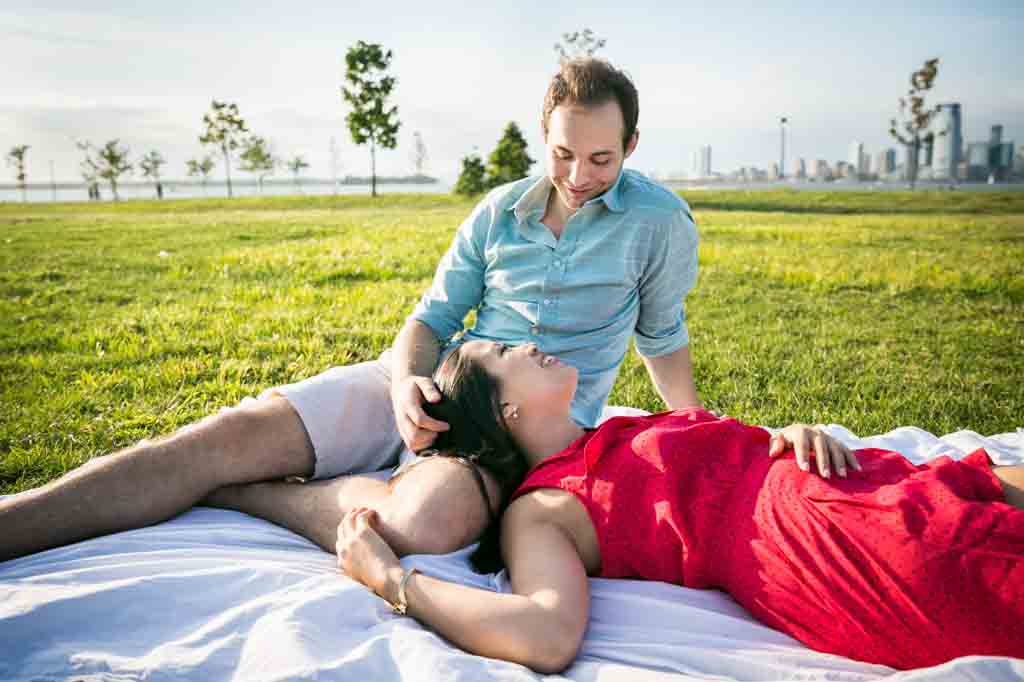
347, 414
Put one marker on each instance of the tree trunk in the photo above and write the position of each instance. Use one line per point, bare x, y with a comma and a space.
113, 189
227, 167
912, 158
373, 169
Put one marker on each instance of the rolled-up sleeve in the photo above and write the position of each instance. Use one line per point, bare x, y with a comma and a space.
458, 284
670, 274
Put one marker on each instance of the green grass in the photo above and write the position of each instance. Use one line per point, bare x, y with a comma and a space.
869, 310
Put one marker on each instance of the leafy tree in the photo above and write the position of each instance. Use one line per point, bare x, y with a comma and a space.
109, 163
257, 159
224, 128
509, 160
577, 45
201, 168
911, 129
368, 88
419, 153
89, 169
150, 165
472, 178
296, 166
16, 160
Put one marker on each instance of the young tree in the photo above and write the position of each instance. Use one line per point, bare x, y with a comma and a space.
419, 153
368, 88
109, 163
471, 180
296, 165
89, 169
201, 168
16, 160
224, 128
912, 127
150, 165
257, 159
509, 160
578, 44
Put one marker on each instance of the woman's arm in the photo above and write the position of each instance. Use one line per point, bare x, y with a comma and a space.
540, 626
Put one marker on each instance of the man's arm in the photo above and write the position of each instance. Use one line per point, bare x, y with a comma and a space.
672, 376
414, 356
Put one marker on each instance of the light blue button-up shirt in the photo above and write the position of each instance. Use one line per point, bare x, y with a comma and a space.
621, 268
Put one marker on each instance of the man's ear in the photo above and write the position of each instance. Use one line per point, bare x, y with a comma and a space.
632, 143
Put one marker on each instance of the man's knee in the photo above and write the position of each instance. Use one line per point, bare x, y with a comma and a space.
258, 440
435, 508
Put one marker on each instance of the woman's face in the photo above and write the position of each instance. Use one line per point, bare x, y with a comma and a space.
536, 383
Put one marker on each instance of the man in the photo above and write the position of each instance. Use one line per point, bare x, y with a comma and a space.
577, 262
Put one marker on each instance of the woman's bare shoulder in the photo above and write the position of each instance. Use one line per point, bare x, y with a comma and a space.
559, 508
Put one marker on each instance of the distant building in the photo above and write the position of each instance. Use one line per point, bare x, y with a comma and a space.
885, 162
821, 171
947, 144
773, 172
857, 160
799, 169
977, 161
701, 166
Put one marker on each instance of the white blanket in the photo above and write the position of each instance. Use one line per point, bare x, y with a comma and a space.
217, 595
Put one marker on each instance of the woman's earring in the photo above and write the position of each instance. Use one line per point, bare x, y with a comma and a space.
510, 411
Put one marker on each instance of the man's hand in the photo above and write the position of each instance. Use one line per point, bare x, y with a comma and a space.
803, 439
417, 428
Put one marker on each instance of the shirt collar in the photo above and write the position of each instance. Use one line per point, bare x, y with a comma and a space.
535, 198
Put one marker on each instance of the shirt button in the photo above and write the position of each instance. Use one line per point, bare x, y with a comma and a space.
535, 330
558, 263
547, 301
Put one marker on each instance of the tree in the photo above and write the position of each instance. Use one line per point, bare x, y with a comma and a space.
367, 93
296, 166
201, 168
16, 160
89, 169
224, 128
150, 165
419, 153
509, 160
577, 45
109, 163
471, 180
257, 159
912, 127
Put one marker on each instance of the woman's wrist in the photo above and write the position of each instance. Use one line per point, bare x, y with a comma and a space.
392, 581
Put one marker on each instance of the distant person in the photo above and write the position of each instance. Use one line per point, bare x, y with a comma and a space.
579, 262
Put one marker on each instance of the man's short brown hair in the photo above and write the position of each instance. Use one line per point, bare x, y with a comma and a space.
591, 83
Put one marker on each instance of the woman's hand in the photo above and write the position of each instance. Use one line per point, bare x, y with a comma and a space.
828, 451
364, 556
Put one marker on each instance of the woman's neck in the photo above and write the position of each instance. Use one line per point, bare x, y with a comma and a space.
542, 437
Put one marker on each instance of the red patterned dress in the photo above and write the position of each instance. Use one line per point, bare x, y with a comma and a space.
903, 565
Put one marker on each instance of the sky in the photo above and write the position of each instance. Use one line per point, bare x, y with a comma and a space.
719, 74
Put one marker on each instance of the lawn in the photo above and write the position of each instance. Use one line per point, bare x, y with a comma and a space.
871, 310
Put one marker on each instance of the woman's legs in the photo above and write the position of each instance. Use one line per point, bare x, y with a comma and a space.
1012, 479
156, 480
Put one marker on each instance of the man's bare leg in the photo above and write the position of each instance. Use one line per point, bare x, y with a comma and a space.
154, 481
1012, 479
433, 508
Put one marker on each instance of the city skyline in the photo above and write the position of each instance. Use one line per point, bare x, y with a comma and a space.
147, 74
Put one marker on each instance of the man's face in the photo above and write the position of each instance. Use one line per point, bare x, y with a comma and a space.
585, 154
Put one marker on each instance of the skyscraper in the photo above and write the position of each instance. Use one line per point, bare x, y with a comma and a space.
856, 159
701, 167
947, 145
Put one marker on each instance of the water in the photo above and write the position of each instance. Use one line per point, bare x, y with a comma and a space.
183, 190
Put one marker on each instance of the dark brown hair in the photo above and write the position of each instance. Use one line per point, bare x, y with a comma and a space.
479, 436
591, 83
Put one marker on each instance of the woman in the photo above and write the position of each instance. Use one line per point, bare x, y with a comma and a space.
903, 565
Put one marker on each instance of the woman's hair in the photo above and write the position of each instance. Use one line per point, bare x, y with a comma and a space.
592, 82
478, 435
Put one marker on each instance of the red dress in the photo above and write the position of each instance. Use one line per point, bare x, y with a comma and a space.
904, 565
